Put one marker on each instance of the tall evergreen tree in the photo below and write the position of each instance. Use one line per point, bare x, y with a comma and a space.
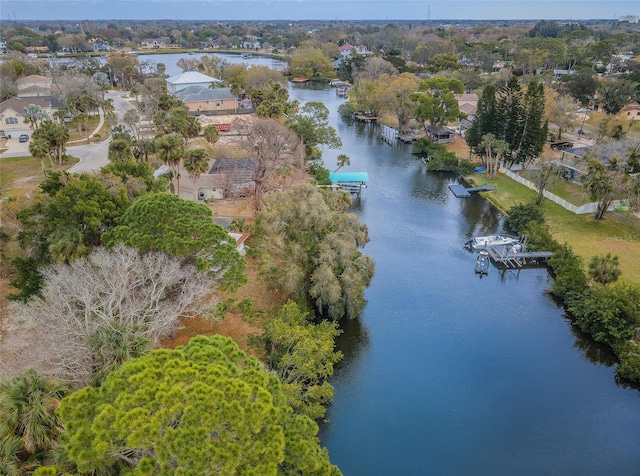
485, 121
510, 113
534, 125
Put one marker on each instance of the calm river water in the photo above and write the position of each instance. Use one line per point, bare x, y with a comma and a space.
447, 373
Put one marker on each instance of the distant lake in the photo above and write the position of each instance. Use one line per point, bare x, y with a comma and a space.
170, 60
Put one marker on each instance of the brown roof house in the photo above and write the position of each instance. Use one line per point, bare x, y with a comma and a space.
631, 112
34, 85
203, 100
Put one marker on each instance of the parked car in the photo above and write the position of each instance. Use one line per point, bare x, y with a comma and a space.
561, 145
23, 138
583, 132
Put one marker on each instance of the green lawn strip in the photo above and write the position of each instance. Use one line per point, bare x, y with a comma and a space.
587, 237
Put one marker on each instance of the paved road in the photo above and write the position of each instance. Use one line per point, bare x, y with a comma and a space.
92, 156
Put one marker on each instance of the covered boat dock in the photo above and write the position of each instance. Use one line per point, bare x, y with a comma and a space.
352, 182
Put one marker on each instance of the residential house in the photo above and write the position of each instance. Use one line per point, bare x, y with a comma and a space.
346, 50
155, 43
34, 85
98, 45
440, 135
203, 100
36, 50
468, 103
630, 112
12, 114
189, 78
227, 178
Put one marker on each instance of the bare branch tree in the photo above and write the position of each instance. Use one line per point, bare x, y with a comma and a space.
109, 291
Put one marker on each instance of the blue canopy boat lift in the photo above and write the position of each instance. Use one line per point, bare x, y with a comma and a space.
352, 182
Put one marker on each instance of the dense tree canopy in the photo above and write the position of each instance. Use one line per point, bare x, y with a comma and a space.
310, 248
204, 408
312, 125
303, 356
180, 228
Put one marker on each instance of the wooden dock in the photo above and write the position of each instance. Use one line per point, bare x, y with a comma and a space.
460, 191
363, 118
511, 259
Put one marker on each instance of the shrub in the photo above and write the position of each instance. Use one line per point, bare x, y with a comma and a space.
519, 216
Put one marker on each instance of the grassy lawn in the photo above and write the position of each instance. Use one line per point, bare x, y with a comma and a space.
19, 175
75, 134
569, 191
616, 234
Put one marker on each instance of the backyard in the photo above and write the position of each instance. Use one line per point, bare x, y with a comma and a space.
618, 233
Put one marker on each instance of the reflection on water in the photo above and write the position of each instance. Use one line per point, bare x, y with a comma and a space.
445, 373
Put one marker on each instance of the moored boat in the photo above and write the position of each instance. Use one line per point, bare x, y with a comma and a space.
483, 242
482, 263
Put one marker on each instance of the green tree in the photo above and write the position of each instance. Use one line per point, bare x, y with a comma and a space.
605, 185
69, 219
343, 159
180, 228
196, 163
211, 134
29, 426
604, 269
39, 149
310, 248
616, 93
170, 149
56, 135
310, 63
443, 61
312, 125
485, 121
608, 313
120, 150
206, 407
303, 356
436, 103
521, 215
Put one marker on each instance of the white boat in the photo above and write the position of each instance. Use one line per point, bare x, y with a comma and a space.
483, 242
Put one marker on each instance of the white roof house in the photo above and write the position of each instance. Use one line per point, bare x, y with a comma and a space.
190, 78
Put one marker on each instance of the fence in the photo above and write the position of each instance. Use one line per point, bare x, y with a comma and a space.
582, 209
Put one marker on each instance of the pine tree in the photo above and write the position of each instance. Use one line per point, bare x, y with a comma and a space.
485, 121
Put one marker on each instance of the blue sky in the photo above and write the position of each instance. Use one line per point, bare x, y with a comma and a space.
316, 9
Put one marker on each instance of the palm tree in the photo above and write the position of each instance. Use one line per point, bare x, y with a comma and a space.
59, 138
343, 160
604, 269
39, 149
170, 149
196, 162
211, 134
29, 427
